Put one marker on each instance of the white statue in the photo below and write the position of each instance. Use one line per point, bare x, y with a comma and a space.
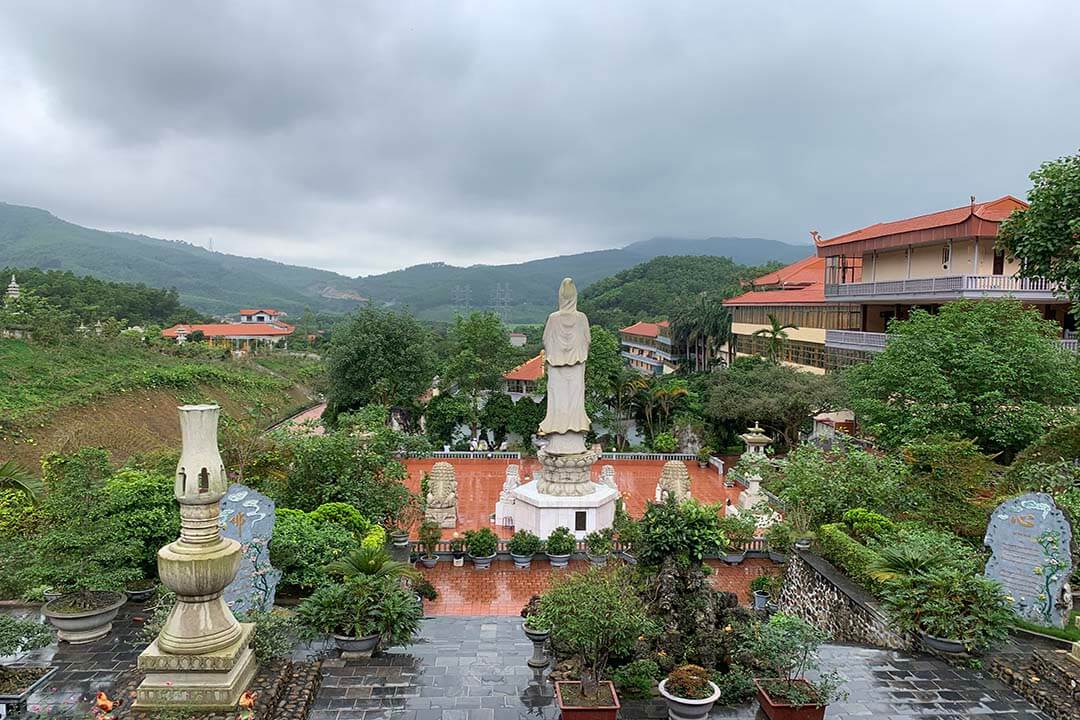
513, 479
674, 482
442, 495
566, 348
607, 476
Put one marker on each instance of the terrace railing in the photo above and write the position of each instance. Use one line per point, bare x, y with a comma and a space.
442, 548
946, 287
647, 456
477, 454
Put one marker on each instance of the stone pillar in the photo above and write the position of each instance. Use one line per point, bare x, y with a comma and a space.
1075, 654
200, 659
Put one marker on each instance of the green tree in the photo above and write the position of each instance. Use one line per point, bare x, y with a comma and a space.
378, 356
480, 354
776, 335
497, 415
443, 414
778, 396
992, 371
702, 327
1046, 236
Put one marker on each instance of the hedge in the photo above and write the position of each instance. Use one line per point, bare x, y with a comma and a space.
848, 554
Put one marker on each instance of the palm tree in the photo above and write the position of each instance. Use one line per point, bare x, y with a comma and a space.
375, 562
626, 385
777, 336
666, 400
902, 561
701, 328
15, 477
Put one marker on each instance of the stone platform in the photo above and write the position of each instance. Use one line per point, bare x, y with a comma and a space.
541, 514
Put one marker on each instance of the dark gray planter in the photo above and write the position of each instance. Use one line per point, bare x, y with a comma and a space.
949, 646
365, 644
803, 544
597, 560
558, 561
686, 709
429, 561
539, 639
521, 562
778, 557
761, 599
482, 563
399, 539
629, 558
86, 626
51, 594
12, 703
734, 558
140, 595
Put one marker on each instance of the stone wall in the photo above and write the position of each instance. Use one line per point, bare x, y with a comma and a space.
1048, 678
820, 594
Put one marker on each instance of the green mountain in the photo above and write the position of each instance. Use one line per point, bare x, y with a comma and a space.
209, 281
656, 289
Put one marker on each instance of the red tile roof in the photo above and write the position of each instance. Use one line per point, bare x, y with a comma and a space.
801, 282
645, 329
972, 220
233, 330
254, 311
531, 370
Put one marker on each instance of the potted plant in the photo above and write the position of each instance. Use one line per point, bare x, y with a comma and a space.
19, 680
424, 590
598, 546
430, 534
538, 631
592, 615
738, 532
560, 546
84, 616
689, 693
522, 546
703, 457
628, 531
788, 646
778, 539
403, 520
760, 587
362, 613
457, 550
482, 545
139, 590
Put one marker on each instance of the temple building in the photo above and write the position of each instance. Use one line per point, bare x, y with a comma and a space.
647, 348
245, 335
521, 381
12, 292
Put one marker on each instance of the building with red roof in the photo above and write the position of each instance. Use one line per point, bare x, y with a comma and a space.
521, 381
243, 335
647, 347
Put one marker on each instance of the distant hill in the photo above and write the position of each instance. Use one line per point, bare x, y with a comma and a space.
208, 281
654, 289
430, 290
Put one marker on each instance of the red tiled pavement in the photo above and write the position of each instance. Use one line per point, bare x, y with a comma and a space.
480, 481
504, 590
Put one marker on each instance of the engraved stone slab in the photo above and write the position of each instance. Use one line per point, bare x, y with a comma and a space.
1030, 540
247, 516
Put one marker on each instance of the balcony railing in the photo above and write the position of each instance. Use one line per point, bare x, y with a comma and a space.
950, 287
662, 352
876, 342
642, 357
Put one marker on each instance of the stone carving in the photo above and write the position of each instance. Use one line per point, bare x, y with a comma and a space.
513, 479
566, 475
566, 349
442, 495
247, 516
607, 476
217, 663
674, 482
1030, 540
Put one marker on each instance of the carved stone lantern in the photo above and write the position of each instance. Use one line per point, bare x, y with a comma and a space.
201, 658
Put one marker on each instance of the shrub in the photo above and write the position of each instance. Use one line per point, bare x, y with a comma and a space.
665, 443
424, 588
761, 583
17, 635
430, 535
524, 542
301, 547
690, 682
866, 525
481, 543
736, 685
599, 542
343, 514
274, 630
848, 554
636, 679
626, 528
594, 614
361, 606
561, 542
371, 562
16, 513
686, 532
738, 529
779, 537
951, 485
788, 646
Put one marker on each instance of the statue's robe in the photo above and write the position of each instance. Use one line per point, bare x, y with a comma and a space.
566, 348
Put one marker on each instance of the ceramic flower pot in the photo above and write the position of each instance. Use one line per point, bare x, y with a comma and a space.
777, 709
482, 563
949, 646
680, 708
597, 560
429, 561
539, 639
583, 712
84, 626
399, 539
348, 643
521, 562
734, 558
558, 561
761, 599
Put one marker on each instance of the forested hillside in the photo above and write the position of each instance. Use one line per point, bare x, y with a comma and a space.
88, 299
656, 289
211, 282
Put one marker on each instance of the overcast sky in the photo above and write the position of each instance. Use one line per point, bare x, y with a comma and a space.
366, 136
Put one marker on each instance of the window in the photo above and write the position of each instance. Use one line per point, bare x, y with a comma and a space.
946, 256
999, 262
579, 521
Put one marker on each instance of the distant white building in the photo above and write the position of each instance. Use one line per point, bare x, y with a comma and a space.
12, 292
518, 339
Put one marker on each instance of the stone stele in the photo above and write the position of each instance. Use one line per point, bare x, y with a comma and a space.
442, 495
247, 516
201, 659
674, 482
1029, 539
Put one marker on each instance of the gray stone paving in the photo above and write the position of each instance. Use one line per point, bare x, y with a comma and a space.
474, 669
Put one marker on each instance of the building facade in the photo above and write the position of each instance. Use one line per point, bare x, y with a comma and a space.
647, 347
245, 335
521, 381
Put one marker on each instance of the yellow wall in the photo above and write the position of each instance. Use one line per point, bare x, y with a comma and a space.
805, 368
814, 335
926, 262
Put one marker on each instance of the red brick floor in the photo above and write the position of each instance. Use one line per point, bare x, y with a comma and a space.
480, 481
504, 590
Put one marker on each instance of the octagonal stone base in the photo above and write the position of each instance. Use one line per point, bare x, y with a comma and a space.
540, 513
566, 475
208, 682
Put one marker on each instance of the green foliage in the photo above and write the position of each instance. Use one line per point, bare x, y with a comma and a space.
16, 513
775, 335
374, 562
702, 328
17, 635
824, 486
594, 614
1057, 444
665, 443
738, 529
778, 396
1044, 236
685, 532
599, 542
363, 605
524, 542
141, 508
951, 485
561, 542
481, 543
15, 477
780, 537
378, 356
497, 416
302, 546
444, 413
274, 631
430, 534
866, 524
855, 559
690, 682
345, 515
788, 647
627, 529
993, 371
736, 685
636, 679
480, 353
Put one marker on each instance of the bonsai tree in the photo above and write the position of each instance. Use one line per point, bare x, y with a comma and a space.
457, 545
704, 455
738, 530
779, 537
18, 635
561, 542
406, 515
430, 534
681, 532
626, 528
788, 646
481, 543
599, 542
524, 543
593, 615
689, 681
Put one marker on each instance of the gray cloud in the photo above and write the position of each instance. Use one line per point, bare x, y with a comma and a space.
361, 137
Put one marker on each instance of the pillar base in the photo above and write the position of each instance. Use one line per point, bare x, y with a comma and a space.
1075, 654
209, 682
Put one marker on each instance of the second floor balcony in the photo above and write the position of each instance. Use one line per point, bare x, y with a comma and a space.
876, 342
949, 287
